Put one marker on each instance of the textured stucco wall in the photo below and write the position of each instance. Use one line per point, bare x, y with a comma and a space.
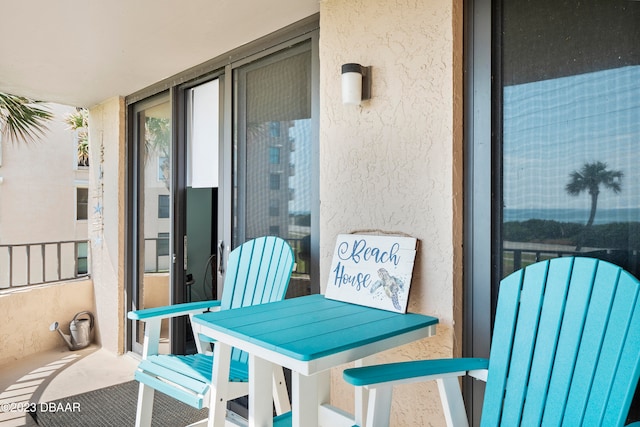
106, 223
389, 164
28, 313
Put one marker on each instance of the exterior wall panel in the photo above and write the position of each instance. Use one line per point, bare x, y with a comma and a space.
388, 165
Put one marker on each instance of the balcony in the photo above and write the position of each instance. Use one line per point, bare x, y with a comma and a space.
396, 163
36, 366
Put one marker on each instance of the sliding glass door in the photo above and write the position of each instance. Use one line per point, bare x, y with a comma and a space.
570, 75
553, 103
153, 172
216, 160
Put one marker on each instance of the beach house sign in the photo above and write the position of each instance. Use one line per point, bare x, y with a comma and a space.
374, 271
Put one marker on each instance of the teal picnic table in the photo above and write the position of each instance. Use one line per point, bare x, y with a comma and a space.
309, 335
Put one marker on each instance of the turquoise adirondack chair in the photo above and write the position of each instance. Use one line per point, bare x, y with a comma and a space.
257, 272
565, 351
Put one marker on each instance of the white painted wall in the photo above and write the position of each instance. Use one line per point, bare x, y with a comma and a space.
38, 189
388, 165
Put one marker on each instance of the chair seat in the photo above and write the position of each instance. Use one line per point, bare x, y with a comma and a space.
191, 373
283, 420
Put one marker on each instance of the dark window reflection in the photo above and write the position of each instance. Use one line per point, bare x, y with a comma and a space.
570, 77
571, 131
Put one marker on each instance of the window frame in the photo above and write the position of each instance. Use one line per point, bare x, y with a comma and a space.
482, 164
79, 203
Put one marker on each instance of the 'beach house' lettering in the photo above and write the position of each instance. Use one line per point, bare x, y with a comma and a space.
358, 280
360, 250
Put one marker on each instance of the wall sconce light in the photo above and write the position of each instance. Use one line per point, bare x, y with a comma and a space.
356, 83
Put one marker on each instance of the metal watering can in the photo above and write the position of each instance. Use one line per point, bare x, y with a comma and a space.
80, 328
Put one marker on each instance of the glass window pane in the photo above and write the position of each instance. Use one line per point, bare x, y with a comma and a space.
156, 185
83, 264
571, 129
163, 244
274, 155
154, 194
82, 203
571, 103
274, 152
163, 206
274, 181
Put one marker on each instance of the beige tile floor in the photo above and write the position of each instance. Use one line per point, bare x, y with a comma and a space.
55, 374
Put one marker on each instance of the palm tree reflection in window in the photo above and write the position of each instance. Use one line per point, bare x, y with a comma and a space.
589, 178
157, 134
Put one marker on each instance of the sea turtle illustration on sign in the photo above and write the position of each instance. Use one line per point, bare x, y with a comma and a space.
392, 286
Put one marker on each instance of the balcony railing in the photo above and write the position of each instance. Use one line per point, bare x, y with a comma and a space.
29, 264
516, 255
157, 258
157, 255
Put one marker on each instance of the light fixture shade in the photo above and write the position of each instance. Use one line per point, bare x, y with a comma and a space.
352, 84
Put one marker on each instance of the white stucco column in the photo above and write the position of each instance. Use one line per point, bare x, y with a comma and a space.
389, 163
107, 219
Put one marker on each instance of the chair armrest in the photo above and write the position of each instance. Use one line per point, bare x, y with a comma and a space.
377, 374
172, 310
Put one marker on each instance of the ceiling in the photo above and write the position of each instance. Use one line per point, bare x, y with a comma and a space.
83, 52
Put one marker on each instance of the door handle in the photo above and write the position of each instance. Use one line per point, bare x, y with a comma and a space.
221, 257
184, 248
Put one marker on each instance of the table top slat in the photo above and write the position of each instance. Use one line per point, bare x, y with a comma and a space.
346, 338
307, 328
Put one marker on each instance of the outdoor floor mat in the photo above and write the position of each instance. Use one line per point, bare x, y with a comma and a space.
113, 406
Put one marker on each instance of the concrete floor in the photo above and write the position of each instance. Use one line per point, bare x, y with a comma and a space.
55, 374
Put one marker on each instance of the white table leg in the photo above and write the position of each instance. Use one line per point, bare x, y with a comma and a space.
260, 392
362, 394
323, 385
304, 411
219, 384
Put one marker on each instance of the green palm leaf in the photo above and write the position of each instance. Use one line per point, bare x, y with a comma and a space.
22, 118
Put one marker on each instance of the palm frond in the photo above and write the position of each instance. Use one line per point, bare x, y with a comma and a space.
22, 119
576, 185
78, 119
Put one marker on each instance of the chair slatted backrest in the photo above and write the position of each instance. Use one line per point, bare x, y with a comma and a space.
565, 347
257, 272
